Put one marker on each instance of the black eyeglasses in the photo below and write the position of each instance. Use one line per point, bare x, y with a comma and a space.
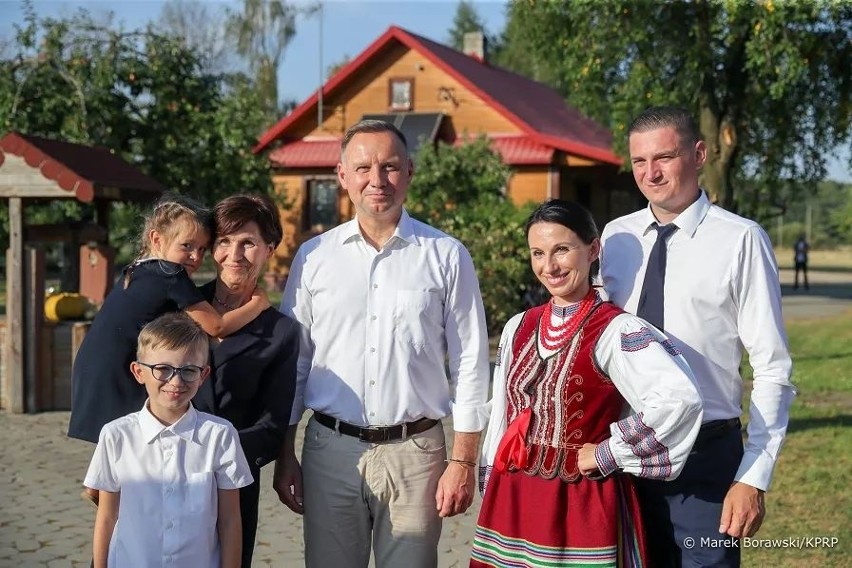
164, 372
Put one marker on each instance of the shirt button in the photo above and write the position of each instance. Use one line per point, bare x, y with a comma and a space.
375, 286
170, 525
372, 414
372, 382
373, 317
372, 349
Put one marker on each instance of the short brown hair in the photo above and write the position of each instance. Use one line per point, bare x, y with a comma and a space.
173, 331
678, 118
232, 213
371, 126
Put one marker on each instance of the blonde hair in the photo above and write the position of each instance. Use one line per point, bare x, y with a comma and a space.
174, 331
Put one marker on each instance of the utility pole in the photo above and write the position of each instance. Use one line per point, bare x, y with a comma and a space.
321, 78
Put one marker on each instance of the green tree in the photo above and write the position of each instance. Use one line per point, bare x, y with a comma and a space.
466, 20
840, 218
262, 31
768, 81
461, 191
139, 93
203, 28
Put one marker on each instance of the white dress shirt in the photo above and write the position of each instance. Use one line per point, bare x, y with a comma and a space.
169, 477
721, 295
380, 329
654, 381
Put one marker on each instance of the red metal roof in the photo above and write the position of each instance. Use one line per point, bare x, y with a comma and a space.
322, 153
536, 109
520, 150
515, 149
78, 169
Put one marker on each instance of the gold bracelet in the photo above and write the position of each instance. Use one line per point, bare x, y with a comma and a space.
462, 462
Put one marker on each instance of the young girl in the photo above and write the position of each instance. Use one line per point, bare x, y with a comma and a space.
175, 237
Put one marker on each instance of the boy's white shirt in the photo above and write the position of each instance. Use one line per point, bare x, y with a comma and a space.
169, 477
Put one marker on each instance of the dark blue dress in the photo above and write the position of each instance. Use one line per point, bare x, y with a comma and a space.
103, 387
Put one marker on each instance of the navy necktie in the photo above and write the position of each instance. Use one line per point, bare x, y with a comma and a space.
650, 306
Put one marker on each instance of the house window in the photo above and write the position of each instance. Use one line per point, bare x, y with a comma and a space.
401, 94
321, 212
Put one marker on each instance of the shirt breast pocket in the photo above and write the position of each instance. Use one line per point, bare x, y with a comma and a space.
201, 495
417, 317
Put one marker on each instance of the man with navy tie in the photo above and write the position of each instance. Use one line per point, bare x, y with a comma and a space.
710, 280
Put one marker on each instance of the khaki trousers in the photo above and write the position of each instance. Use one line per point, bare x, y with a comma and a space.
356, 493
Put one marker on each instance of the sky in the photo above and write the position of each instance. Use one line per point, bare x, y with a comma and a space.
348, 27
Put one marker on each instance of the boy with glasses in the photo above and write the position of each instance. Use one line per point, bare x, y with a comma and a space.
168, 474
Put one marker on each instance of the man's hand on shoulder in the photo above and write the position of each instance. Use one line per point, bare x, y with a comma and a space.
742, 511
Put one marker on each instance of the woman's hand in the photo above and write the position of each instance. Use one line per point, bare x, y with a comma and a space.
586, 462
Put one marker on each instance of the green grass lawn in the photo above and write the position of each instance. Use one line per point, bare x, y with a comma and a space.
811, 494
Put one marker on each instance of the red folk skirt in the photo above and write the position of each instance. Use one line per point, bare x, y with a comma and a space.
526, 520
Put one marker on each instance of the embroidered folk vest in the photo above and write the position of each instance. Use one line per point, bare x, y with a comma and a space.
572, 401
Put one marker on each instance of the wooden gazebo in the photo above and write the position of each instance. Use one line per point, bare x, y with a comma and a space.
34, 169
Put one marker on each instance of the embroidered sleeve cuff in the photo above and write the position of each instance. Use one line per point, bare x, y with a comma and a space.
605, 459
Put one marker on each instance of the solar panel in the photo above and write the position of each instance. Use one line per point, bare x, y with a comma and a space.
417, 127
420, 128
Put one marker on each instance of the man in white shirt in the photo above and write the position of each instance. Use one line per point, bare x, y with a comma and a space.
721, 294
387, 305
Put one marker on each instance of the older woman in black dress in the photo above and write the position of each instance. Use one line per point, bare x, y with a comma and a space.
254, 370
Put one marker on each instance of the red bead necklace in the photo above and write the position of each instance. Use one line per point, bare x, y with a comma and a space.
555, 337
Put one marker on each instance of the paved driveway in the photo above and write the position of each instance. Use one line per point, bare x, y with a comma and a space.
43, 521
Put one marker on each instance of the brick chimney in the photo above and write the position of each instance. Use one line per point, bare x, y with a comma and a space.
475, 45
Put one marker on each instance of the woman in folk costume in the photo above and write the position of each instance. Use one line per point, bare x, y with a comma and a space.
584, 394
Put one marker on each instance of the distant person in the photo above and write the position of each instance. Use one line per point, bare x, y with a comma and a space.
801, 249
708, 278
585, 398
393, 340
253, 376
168, 475
174, 239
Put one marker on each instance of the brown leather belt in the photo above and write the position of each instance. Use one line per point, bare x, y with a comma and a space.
376, 434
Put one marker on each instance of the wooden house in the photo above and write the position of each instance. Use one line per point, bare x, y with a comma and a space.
433, 92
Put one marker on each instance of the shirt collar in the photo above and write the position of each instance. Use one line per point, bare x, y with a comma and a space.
689, 219
351, 231
152, 428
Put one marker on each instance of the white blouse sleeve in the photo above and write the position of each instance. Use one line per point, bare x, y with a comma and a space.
655, 439
497, 405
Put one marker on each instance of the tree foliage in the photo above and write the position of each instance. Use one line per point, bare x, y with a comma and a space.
143, 95
466, 20
825, 217
262, 32
461, 191
203, 29
769, 82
